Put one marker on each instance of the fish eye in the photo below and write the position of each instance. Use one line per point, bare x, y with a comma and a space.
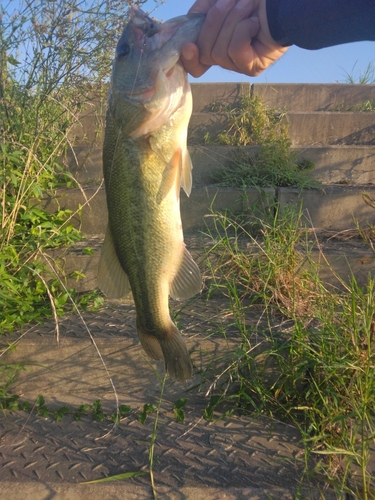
122, 49
152, 29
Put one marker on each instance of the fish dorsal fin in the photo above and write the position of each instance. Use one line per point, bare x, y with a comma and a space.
188, 281
112, 279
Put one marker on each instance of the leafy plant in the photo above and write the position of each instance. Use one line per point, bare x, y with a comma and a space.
53, 62
253, 123
147, 409
178, 410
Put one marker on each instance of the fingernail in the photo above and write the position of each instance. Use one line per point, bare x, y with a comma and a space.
255, 19
188, 53
224, 4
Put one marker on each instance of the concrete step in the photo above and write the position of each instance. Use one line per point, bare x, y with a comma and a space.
305, 129
333, 164
316, 128
90, 207
294, 98
313, 97
289, 96
226, 94
335, 210
332, 207
337, 258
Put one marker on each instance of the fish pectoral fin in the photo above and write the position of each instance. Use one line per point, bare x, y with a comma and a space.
186, 171
112, 279
188, 281
180, 162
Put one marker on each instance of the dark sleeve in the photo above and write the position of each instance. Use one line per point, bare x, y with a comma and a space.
314, 24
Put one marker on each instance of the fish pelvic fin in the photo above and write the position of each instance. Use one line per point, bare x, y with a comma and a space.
188, 281
170, 347
112, 279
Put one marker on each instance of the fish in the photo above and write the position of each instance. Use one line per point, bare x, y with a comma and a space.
145, 164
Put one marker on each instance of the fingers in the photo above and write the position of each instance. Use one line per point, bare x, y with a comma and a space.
233, 46
234, 36
227, 19
241, 50
201, 6
212, 27
264, 57
191, 62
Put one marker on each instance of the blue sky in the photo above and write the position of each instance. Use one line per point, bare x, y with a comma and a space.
296, 66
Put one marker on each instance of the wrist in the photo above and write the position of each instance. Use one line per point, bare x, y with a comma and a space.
274, 26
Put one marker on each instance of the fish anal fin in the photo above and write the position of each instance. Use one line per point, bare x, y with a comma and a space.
150, 343
188, 281
112, 279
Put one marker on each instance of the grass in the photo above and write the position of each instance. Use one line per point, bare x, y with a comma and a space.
367, 106
51, 59
364, 77
312, 360
253, 123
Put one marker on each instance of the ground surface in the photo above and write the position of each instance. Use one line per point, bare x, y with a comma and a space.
235, 457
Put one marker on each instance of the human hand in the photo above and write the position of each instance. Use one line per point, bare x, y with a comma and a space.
234, 36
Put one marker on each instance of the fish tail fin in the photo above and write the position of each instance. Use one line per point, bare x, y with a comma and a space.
170, 347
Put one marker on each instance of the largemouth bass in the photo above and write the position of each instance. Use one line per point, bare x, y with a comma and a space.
145, 162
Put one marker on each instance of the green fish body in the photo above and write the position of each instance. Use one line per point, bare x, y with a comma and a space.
145, 162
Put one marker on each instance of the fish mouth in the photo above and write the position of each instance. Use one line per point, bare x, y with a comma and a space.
153, 51
149, 34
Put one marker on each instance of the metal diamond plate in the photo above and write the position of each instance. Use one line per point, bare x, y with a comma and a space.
238, 452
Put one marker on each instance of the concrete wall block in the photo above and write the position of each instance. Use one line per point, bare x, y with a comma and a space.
206, 94
320, 129
332, 208
313, 97
195, 210
85, 163
348, 165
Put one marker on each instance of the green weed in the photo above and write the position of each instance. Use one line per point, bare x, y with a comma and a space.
178, 410
365, 77
53, 62
367, 106
52, 65
253, 123
312, 362
273, 166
